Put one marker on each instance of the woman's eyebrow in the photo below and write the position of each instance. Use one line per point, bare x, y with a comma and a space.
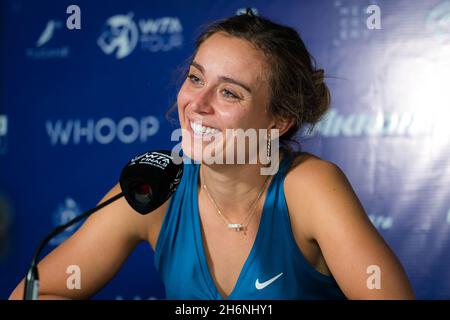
223, 78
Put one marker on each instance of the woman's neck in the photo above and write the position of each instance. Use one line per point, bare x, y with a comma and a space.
233, 187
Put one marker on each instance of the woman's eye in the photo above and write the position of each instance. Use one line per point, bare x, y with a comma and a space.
229, 94
194, 79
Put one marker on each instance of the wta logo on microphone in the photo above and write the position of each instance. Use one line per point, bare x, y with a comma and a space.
154, 158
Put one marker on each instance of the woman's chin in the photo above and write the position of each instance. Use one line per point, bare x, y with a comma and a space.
192, 149
197, 147
201, 152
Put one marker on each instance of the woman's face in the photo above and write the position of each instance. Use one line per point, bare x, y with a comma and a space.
226, 88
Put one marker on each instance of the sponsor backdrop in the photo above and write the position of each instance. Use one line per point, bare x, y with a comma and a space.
77, 104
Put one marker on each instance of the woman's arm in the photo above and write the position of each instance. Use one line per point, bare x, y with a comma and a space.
353, 249
98, 248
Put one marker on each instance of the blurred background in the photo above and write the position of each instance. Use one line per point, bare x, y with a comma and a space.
77, 104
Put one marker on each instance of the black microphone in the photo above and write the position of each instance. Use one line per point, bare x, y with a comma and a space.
151, 177
147, 181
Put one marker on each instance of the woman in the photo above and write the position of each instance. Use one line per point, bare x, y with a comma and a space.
229, 231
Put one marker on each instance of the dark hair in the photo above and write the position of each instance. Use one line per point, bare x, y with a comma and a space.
298, 90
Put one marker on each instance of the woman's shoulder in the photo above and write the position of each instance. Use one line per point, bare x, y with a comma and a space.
309, 181
325, 210
306, 166
309, 174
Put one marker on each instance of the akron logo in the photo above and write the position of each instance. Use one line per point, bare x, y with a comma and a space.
120, 35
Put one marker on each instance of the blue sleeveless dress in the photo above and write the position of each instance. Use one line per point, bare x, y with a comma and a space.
274, 269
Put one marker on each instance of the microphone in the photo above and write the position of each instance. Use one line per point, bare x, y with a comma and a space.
151, 177
147, 181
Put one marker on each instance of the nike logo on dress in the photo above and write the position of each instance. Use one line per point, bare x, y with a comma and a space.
264, 284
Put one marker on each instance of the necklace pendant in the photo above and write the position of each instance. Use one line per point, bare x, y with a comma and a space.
236, 226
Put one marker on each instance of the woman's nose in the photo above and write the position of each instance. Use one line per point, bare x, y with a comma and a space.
202, 101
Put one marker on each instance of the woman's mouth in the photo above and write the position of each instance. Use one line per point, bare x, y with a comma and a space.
201, 130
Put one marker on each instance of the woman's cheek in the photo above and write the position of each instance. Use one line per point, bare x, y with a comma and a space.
234, 120
181, 101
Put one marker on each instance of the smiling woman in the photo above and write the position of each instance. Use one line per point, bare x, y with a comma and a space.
228, 231
296, 239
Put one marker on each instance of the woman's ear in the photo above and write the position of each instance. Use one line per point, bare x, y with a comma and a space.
283, 125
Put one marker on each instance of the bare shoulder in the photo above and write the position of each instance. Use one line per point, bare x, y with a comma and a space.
322, 198
323, 204
309, 166
307, 183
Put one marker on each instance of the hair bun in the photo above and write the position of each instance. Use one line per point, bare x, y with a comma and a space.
321, 100
249, 12
318, 77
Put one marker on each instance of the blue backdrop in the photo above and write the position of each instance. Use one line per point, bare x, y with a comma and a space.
76, 105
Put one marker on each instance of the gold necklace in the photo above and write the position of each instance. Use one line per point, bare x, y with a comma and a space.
236, 226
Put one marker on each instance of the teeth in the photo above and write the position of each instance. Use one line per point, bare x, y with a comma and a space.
202, 130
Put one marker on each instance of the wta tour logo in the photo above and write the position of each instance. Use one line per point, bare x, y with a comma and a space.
121, 34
